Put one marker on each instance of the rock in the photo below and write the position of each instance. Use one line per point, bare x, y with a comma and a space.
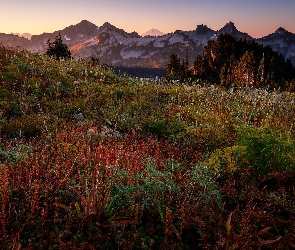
80, 117
110, 132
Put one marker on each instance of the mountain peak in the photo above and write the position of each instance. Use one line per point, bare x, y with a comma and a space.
153, 32
107, 24
202, 29
280, 30
85, 23
229, 28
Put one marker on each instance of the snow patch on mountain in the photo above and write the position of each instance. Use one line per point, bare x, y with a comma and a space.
291, 51
159, 44
131, 54
176, 38
144, 41
67, 38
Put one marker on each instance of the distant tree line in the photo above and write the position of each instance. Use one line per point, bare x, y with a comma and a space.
232, 62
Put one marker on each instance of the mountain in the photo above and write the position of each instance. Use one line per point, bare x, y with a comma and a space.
71, 35
120, 48
281, 41
153, 32
25, 35
116, 47
231, 29
11, 40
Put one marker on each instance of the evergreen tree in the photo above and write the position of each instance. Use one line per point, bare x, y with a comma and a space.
184, 66
58, 49
245, 74
173, 67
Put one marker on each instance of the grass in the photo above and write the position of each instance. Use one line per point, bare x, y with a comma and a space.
150, 166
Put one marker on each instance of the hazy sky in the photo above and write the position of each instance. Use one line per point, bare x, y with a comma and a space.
256, 17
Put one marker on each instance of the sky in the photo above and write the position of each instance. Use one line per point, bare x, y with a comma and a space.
258, 18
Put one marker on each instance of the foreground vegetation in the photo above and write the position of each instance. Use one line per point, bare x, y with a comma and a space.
91, 160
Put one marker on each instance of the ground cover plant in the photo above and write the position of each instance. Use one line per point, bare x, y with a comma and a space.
93, 160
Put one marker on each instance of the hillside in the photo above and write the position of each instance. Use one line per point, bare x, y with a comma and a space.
94, 160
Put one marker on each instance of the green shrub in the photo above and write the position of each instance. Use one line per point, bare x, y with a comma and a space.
267, 150
18, 153
155, 189
5, 94
157, 127
12, 109
11, 75
229, 160
212, 131
25, 126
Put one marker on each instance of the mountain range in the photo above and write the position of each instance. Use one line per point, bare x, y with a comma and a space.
152, 49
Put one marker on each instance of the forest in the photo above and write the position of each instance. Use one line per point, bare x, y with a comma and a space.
230, 62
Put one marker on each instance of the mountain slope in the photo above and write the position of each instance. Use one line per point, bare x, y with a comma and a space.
11, 40
72, 34
281, 41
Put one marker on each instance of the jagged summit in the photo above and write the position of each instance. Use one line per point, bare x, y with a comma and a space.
108, 25
280, 30
84, 24
231, 29
203, 29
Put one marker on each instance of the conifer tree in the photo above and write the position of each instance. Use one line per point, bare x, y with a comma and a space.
173, 67
246, 70
58, 49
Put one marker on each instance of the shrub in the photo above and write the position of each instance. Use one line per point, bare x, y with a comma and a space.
154, 190
157, 127
25, 126
228, 160
213, 130
267, 151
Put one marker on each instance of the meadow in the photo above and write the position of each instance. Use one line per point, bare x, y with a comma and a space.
93, 160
